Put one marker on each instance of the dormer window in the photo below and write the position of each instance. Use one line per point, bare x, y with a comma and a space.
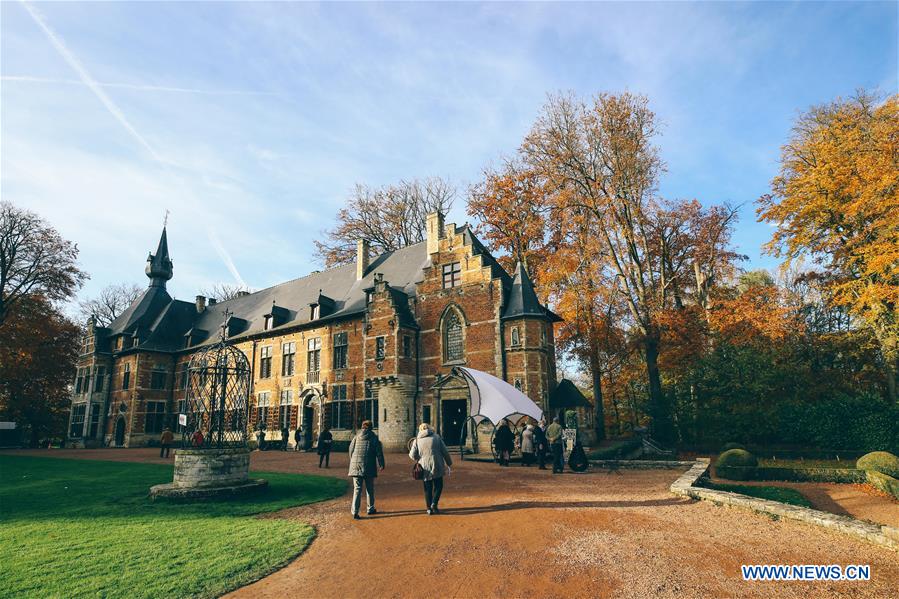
314, 312
268, 322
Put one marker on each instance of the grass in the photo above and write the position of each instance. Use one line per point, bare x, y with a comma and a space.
84, 528
781, 494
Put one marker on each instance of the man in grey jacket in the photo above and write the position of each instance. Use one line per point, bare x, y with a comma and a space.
366, 459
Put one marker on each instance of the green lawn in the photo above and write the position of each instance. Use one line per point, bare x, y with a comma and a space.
781, 494
84, 528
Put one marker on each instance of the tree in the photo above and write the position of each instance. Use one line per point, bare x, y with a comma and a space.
38, 350
34, 260
109, 303
836, 199
600, 157
224, 291
390, 217
511, 207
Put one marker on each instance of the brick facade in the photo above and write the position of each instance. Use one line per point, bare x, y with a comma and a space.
397, 348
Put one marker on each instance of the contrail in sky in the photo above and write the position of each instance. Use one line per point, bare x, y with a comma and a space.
117, 113
89, 81
138, 86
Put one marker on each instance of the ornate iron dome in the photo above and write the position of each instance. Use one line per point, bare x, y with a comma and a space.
218, 388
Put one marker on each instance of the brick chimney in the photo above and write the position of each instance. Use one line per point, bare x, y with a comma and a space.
201, 303
435, 231
362, 258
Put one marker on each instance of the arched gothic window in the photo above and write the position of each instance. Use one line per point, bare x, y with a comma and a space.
453, 346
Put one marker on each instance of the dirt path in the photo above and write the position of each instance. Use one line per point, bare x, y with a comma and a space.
517, 532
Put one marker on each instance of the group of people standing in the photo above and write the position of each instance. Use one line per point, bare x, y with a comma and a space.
534, 442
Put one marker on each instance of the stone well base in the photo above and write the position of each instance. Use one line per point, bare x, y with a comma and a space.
202, 473
170, 491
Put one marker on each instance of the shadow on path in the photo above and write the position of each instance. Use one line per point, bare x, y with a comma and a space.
524, 505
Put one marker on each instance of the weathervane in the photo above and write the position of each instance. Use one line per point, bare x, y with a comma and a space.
165, 221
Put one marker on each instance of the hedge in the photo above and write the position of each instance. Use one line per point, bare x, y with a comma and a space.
617, 450
815, 475
884, 482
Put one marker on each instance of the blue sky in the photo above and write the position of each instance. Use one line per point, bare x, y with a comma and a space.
251, 122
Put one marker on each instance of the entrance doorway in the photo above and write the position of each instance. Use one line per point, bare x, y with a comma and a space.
120, 432
452, 412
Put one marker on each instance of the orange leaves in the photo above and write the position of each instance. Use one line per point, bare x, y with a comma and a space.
837, 199
754, 317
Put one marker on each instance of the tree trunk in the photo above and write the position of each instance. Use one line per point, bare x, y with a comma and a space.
660, 426
599, 419
891, 368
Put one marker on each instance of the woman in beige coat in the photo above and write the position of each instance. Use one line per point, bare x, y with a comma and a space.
430, 451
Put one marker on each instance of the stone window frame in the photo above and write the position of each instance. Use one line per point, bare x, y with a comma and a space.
263, 403
380, 347
453, 310
265, 362
126, 376
288, 358
79, 413
158, 378
452, 275
341, 405
515, 340
341, 350
407, 346
518, 384
156, 416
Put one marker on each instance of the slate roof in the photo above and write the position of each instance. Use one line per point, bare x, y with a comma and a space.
161, 323
522, 299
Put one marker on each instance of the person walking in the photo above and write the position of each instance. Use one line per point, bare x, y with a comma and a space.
554, 436
325, 440
297, 437
285, 437
165, 442
540, 444
504, 442
430, 451
527, 446
366, 459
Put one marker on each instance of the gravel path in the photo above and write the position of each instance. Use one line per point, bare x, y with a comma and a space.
517, 532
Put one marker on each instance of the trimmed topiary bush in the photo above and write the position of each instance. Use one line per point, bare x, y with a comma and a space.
879, 461
736, 457
729, 446
736, 464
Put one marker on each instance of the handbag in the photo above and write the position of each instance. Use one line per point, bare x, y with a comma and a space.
417, 471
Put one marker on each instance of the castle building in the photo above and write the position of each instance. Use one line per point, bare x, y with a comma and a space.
376, 339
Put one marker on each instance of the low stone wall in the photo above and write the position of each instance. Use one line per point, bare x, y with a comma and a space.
641, 464
211, 467
886, 536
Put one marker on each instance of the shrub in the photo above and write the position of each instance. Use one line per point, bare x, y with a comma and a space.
879, 461
253, 445
736, 464
736, 457
885, 483
729, 446
616, 451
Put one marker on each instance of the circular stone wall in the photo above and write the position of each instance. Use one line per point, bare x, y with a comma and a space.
211, 467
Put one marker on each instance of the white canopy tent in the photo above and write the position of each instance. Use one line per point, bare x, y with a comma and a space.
494, 399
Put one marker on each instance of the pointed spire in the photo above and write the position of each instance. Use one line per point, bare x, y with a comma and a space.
159, 265
522, 300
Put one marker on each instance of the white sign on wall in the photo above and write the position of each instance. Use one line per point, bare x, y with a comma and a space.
182, 419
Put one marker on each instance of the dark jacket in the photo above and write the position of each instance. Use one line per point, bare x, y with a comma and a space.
324, 442
366, 454
539, 437
504, 440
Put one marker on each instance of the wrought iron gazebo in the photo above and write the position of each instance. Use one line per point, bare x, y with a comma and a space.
218, 388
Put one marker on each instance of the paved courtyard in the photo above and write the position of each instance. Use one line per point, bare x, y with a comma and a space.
517, 532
